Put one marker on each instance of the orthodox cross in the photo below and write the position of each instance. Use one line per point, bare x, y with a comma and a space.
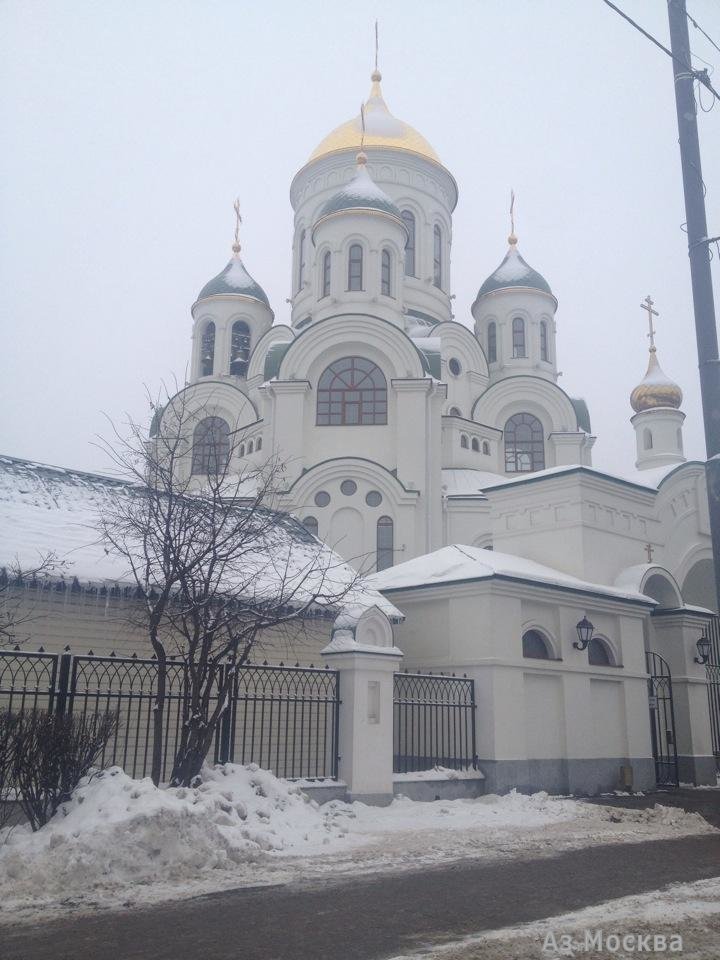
648, 546
238, 221
512, 238
376, 46
647, 305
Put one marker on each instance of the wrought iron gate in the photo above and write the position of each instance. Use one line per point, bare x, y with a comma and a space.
662, 720
713, 679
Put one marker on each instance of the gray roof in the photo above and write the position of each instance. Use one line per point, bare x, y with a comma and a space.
514, 272
362, 193
234, 279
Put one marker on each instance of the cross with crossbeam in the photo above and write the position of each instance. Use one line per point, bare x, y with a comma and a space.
647, 305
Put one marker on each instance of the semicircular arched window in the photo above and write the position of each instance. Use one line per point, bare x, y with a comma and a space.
385, 543
355, 267
352, 392
386, 273
524, 444
518, 337
409, 221
599, 653
239, 348
326, 273
492, 342
535, 646
211, 447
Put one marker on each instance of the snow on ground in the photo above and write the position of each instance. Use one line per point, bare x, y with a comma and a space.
689, 910
121, 842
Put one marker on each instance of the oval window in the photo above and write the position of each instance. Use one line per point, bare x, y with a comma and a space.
373, 498
454, 366
348, 487
322, 498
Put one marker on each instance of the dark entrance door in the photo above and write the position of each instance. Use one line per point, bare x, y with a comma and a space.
662, 720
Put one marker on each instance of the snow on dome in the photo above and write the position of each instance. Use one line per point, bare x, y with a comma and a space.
656, 389
361, 193
382, 129
234, 280
514, 272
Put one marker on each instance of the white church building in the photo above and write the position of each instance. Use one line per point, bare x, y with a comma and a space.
445, 461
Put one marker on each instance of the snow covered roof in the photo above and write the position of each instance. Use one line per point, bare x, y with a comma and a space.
458, 563
465, 481
514, 272
46, 509
655, 389
361, 193
234, 280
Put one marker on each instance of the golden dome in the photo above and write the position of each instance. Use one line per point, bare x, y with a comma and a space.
382, 129
655, 389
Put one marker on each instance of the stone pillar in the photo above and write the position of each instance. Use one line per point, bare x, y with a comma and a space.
676, 635
366, 719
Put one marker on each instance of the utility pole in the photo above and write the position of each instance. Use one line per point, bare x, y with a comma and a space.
700, 274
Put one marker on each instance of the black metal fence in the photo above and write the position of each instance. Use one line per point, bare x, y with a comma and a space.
662, 719
283, 718
434, 722
713, 677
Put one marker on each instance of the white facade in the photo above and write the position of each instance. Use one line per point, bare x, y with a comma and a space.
403, 430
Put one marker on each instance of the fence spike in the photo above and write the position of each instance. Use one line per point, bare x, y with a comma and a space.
133, 656
41, 649
16, 647
264, 663
282, 664
312, 666
67, 648
297, 663
112, 653
90, 653
153, 657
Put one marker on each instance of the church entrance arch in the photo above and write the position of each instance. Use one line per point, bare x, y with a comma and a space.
662, 720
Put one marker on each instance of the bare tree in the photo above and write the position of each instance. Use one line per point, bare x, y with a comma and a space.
214, 566
14, 614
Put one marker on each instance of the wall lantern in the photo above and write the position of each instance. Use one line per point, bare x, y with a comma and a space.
584, 631
703, 649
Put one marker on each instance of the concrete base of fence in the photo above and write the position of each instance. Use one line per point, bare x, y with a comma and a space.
325, 792
424, 788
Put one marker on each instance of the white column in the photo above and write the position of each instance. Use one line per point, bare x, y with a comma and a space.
366, 721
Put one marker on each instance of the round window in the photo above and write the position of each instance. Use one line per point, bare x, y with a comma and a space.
348, 487
373, 498
454, 366
322, 498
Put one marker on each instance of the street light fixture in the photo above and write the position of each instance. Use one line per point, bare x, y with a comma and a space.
703, 649
584, 631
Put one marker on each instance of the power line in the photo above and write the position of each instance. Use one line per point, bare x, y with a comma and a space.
702, 76
698, 27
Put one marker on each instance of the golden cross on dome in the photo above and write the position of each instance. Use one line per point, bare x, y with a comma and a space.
238, 221
376, 47
647, 305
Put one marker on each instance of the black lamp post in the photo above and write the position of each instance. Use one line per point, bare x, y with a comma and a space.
703, 649
584, 631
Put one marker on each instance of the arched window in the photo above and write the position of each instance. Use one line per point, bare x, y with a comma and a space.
385, 543
241, 450
301, 261
492, 342
352, 391
311, 525
409, 221
544, 355
207, 350
475, 445
518, 335
437, 257
239, 348
211, 446
647, 439
599, 653
326, 266
385, 274
534, 646
524, 444
250, 447
258, 445
463, 441
355, 267
454, 412
486, 448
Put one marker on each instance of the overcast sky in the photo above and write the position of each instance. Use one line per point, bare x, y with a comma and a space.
129, 128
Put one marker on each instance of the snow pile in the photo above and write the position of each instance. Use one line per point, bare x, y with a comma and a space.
119, 831
120, 841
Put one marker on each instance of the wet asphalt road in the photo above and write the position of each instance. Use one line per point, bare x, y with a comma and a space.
374, 917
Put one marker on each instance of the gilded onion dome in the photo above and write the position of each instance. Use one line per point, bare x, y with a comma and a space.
382, 129
656, 389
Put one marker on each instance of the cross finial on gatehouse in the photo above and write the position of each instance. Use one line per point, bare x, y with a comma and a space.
647, 305
238, 221
512, 239
376, 47
649, 552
